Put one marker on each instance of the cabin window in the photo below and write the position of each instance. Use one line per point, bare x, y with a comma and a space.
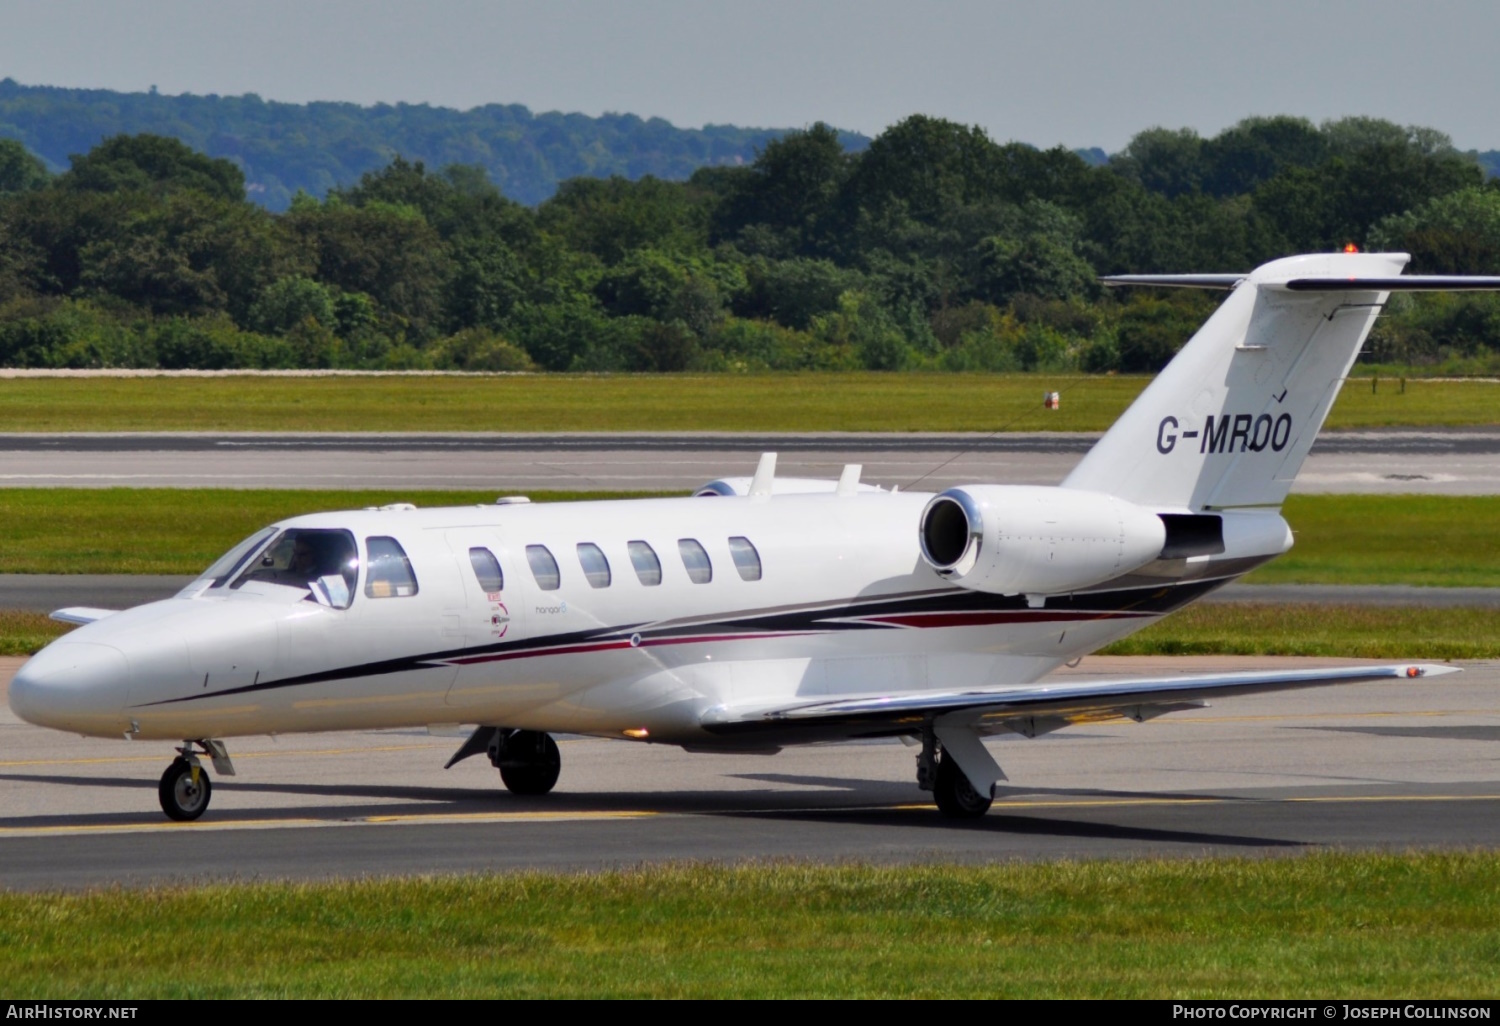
695, 560
647, 566
390, 574
595, 566
543, 567
487, 570
325, 563
746, 559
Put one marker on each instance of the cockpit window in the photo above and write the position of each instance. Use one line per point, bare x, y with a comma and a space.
324, 562
229, 564
390, 574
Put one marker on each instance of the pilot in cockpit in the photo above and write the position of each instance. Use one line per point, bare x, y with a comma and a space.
321, 561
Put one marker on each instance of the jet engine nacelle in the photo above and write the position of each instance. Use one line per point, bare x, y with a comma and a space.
1014, 539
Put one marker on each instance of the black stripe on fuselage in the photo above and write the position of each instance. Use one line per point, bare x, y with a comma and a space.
819, 619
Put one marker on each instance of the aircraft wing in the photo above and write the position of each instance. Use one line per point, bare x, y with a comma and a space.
1033, 708
81, 614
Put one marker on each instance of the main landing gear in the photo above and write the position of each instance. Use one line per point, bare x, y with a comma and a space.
528, 760
939, 772
185, 789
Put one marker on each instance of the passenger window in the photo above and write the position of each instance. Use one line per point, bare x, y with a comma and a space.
390, 574
647, 566
595, 566
543, 567
746, 559
695, 559
487, 570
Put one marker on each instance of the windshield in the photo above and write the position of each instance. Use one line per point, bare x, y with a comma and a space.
323, 562
227, 565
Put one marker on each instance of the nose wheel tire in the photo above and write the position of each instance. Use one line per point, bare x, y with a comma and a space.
184, 791
529, 762
955, 796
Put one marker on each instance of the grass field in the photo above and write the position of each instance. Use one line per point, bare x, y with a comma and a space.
1325, 925
1428, 540
656, 402
1346, 631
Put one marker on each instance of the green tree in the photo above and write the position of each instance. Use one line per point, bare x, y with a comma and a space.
386, 252
20, 170
1458, 233
152, 163
609, 218
1163, 160
288, 302
791, 187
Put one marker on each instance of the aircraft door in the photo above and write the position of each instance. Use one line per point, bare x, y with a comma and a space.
405, 614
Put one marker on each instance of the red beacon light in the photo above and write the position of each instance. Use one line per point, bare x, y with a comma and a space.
1350, 247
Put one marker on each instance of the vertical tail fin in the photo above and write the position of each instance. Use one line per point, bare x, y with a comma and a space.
1229, 421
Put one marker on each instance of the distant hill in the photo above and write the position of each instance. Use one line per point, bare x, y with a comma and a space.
283, 147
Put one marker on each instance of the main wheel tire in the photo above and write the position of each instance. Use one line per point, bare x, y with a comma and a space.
955, 796
529, 762
181, 799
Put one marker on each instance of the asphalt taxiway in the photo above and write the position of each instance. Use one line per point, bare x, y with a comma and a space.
1459, 461
1392, 765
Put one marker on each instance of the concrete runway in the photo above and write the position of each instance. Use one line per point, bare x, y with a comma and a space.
1435, 461
1372, 766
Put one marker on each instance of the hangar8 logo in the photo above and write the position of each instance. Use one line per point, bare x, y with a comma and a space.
1229, 432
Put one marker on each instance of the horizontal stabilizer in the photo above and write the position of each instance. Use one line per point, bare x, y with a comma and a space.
1073, 700
81, 614
1178, 281
1404, 283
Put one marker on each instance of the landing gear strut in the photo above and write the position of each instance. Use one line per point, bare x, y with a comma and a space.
185, 789
528, 760
939, 773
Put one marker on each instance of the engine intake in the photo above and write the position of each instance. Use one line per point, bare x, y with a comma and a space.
1014, 539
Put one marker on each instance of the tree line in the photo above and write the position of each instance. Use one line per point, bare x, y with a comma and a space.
312, 147
933, 248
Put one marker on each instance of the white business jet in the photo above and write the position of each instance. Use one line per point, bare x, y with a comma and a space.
762, 612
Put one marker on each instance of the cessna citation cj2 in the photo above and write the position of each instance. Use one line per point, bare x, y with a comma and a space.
760, 613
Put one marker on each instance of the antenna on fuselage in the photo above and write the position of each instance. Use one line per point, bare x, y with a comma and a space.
849, 479
765, 476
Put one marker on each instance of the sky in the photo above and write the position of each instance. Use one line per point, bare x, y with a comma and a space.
1076, 72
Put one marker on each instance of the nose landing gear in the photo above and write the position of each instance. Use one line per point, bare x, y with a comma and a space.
185, 789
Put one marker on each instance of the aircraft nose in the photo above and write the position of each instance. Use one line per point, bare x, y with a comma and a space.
71, 686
